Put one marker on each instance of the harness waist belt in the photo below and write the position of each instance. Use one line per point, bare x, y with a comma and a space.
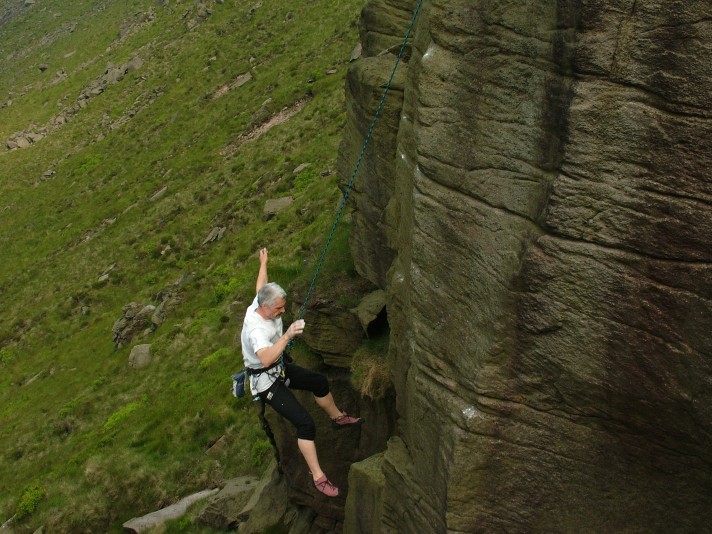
258, 371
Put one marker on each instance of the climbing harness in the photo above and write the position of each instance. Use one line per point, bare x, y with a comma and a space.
285, 357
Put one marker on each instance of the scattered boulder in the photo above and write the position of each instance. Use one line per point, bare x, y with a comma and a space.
59, 76
254, 8
155, 519
158, 194
217, 448
140, 357
201, 12
135, 64
301, 167
134, 23
274, 206
223, 511
43, 67
34, 378
110, 268
22, 142
215, 234
6, 527
241, 80
113, 75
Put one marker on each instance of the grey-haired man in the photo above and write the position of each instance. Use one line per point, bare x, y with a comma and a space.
263, 343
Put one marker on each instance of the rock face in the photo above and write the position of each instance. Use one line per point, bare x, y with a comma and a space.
542, 224
334, 332
364, 84
337, 449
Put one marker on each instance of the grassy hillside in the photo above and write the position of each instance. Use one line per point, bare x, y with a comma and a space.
112, 203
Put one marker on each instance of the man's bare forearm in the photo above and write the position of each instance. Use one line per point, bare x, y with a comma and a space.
271, 354
262, 274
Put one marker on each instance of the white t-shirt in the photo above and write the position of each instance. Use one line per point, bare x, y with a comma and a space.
258, 333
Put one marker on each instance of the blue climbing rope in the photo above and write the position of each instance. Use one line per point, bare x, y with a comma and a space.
347, 191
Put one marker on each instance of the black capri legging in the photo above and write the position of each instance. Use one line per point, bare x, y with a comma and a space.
286, 404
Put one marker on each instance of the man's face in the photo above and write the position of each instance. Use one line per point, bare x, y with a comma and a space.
276, 310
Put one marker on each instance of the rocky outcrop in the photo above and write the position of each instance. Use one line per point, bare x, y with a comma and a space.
26, 138
143, 319
136, 319
541, 223
112, 75
338, 449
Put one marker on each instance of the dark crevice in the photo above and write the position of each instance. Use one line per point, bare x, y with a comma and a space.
379, 326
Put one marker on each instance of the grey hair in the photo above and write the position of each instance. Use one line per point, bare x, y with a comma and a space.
269, 293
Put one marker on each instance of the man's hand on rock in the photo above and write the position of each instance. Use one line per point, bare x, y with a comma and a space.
295, 329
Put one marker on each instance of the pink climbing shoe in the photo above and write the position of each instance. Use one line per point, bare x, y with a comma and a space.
327, 488
345, 420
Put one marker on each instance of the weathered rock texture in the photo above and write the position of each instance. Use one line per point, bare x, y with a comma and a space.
334, 332
338, 449
542, 223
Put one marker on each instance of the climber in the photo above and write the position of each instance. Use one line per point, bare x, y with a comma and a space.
271, 379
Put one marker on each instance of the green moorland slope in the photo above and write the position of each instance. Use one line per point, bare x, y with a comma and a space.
111, 203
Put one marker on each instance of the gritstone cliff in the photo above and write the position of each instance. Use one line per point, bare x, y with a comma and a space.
537, 205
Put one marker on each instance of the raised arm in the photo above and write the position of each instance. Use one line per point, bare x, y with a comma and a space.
262, 275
